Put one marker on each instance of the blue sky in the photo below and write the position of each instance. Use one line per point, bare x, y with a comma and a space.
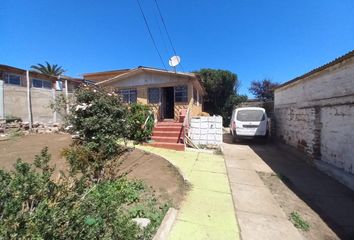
255, 39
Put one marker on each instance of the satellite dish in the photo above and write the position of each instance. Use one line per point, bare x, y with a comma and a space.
174, 61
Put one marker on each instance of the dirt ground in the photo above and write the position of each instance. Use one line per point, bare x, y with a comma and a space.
290, 202
153, 170
298, 186
156, 172
27, 147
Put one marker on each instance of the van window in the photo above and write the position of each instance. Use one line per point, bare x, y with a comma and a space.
250, 115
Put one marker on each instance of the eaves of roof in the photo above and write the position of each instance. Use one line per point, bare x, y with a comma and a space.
144, 69
316, 70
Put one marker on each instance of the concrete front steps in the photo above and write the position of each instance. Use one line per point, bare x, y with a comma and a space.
169, 135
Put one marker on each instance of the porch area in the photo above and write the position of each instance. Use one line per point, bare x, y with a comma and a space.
168, 134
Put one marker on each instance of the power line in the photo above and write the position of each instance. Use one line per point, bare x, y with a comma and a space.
163, 37
152, 38
168, 35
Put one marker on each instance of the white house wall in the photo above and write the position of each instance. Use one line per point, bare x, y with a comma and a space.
316, 115
337, 81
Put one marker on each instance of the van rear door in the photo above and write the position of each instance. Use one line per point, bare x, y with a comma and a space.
251, 122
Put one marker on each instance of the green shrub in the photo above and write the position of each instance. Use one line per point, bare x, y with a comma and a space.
34, 206
138, 129
99, 118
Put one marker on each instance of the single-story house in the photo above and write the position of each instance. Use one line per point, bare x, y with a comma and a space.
166, 92
17, 98
315, 113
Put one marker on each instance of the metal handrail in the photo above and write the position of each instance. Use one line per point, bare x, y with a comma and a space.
147, 119
186, 124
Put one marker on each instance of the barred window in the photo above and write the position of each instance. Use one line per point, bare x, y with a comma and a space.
154, 95
12, 79
38, 83
128, 95
181, 93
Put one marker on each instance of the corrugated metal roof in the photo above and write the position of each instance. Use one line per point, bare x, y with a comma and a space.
316, 70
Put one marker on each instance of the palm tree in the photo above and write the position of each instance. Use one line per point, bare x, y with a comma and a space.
49, 69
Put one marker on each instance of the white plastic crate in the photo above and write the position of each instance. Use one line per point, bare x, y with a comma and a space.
206, 130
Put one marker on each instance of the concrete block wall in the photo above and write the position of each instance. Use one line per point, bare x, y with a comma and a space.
316, 115
14, 102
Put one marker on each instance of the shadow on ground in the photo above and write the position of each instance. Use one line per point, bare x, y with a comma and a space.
331, 200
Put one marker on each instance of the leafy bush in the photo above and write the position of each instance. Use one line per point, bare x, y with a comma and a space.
34, 206
139, 130
99, 118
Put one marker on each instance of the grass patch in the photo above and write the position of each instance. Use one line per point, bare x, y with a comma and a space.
299, 222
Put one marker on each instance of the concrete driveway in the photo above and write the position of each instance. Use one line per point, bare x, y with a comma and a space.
259, 214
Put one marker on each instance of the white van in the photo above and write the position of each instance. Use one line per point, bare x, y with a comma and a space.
249, 122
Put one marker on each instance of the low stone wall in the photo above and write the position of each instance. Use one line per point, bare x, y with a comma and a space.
23, 128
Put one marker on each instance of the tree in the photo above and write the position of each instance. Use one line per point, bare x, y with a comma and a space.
49, 69
221, 87
263, 90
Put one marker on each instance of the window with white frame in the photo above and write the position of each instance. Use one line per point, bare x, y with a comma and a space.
13, 79
181, 93
39, 83
128, 95
154, 95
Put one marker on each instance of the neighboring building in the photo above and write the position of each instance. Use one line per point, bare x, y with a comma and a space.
167, 92
42, 90
315, 113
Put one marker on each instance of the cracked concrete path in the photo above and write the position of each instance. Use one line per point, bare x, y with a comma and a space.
258, 214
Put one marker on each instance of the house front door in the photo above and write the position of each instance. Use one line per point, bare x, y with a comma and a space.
168, 102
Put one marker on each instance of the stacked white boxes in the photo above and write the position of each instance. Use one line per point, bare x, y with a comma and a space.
206, 130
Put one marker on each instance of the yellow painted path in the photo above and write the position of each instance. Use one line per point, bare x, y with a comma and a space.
207, 211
